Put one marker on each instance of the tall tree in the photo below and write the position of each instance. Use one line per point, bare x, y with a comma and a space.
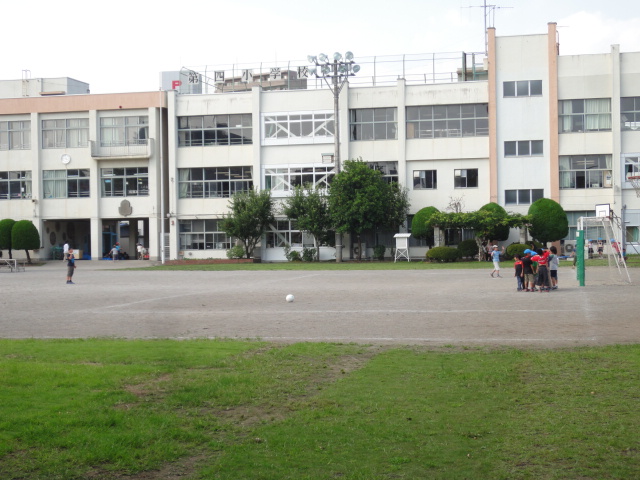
548, 221
6, 226
251, 214
25, 236
309, 207
360, 200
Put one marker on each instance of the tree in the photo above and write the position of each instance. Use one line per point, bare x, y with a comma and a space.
25, 236
251, 214
547, 221
419, 227
360, 200
6, 226
309, 207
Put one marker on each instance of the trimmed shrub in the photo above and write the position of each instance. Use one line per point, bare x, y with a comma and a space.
516, 248
443, 254
468, 248
235, 252
378, 252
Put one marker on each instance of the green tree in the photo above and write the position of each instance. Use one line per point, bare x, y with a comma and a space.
360, 200
6, 226
309, 207
547, 221
251, 214
419, 227
25, 236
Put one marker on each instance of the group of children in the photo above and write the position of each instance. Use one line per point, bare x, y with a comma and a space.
537, 270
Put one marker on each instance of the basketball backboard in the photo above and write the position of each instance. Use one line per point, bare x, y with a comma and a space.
603, 210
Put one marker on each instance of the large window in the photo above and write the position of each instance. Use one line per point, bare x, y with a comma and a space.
206, 130
65, 183
15, 135
523, 197
307, 127
522, 88
466, 178
65, 133
631, 165
124, 131
585, 171
425, 179
286, 179
589, 115
389, 170
203, 235
286, 232
630, 113
433, 121
124, 182
523, 148
373, 124
15, 184
214, 182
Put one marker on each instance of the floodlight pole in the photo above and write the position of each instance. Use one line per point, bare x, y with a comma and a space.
339, 71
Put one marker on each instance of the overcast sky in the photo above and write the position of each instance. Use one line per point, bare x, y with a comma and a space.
123, 45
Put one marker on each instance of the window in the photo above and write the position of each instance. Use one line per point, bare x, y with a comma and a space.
65, 183
124, 131
69, 133
522, 88
434, 121
285, 179
522, 197
15, 135
286, 232
630, 113
631, 165
210, 130
220, 182
425, 179
523, 148
15, 185
373, 124
308, 127
124, 182
585, 171
203, 235
389, 170
467, 178
590, 115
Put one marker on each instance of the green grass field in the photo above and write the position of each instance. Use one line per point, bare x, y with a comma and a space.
205, 409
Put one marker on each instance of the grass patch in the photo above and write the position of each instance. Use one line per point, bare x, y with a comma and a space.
115, 409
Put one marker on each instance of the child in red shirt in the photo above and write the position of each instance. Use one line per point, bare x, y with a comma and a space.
544, 280
517, 265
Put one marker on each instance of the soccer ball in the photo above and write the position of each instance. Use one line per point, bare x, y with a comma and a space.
290, 298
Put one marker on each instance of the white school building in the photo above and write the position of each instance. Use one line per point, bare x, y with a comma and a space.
159, 168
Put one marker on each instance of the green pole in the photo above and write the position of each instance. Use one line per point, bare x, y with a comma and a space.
580, 256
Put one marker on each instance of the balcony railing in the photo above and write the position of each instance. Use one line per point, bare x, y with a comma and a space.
144, 149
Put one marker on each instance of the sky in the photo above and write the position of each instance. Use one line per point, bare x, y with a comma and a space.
122, 46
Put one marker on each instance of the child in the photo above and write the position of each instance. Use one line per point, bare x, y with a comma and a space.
553, 267
542, 258
517, 265
527, 271
495, 256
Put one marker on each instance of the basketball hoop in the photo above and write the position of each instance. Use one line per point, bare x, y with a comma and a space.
635, 181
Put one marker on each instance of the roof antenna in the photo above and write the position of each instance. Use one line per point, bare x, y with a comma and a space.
489, 17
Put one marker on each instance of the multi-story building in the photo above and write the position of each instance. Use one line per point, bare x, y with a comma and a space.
527, 124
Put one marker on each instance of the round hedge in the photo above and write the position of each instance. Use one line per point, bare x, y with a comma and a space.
443, 254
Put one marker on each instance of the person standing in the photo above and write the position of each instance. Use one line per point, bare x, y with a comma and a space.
114, 253
139, 250
71, 266
495, 257
553, 267
517, 265
527, 272
542, 259
65, 251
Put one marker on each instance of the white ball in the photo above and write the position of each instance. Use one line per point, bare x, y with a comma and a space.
290, 298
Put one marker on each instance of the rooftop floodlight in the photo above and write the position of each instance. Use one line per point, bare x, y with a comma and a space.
337, 56
355, 68
313, 71
326, 69
348, 56
323, 58
312, 59
342, 69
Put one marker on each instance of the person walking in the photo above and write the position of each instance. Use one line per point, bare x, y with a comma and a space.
139, 250
71, 266
495, 257
114, 253
65, 251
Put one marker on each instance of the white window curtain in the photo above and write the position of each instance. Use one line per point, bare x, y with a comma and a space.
598, 114
54, 183
183, 180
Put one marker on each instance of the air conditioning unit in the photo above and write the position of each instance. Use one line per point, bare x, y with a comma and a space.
568, 247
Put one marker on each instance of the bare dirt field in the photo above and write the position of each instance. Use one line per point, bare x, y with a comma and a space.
417, 307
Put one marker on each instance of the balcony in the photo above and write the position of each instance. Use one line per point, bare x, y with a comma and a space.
122, 152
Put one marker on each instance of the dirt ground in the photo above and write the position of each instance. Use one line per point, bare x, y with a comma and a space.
428, 307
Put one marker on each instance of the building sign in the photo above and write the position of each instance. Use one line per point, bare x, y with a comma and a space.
303, 72
247, 76
219, 76
275, 73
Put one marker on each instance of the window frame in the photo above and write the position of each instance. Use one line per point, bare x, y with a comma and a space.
15, 135
118, 184
523, 196
214, 182
303, 127
522, 88
124, 131
458, 176
62, 130
373, 122
215, 130
630, 117
15, 184
423, 180
61, 183
523, 148
453, 121
584, 115
574, 177
203, 234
